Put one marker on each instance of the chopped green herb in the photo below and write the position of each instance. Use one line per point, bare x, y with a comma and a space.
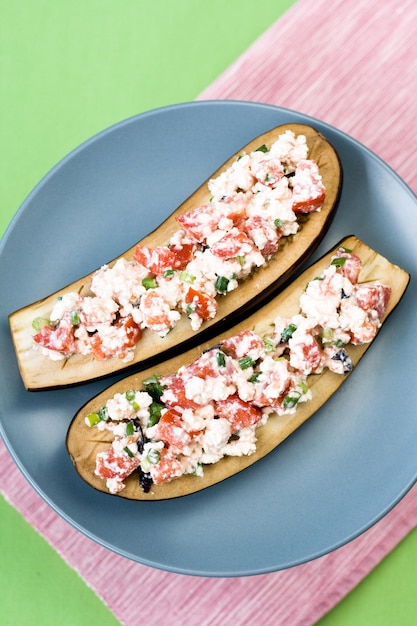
303, 387
190, 309
221, 359
221, 284
339, 262
246, 362
155, 411
279, 223
130, 428
154, 387
169, 273
327, 334
153, 456
269, 345
130, 395
198, 471
40, 322
288, 332
75, 318
103, 414
149, 282
186, 277
262, 148
291, 400
129, 452
93, 419
255, 377
241, 260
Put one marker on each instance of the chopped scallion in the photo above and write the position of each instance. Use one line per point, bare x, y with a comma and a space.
93, 419
153, 456
150, 282
246, 362
339, 261
269, 345
291, 400
169, 273
155, 410
103, 414
130, 428
75, 318
40, 322
288, 332
221, 359
186, 277
154, 387
221, 284
129, 452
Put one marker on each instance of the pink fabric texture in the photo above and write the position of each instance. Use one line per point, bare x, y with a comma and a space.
352, 65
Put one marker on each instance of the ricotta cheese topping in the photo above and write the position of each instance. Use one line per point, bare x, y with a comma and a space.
211, 408
254, 203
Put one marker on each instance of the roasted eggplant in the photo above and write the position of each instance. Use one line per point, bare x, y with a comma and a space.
84, 443
40, 372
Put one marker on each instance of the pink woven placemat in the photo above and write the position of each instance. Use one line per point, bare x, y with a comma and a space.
353, 65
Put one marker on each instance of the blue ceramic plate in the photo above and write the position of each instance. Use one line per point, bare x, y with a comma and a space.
328, 482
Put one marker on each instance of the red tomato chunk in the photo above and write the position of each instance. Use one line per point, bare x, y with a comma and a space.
239, 413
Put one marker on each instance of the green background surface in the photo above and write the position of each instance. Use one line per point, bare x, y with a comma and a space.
69, 69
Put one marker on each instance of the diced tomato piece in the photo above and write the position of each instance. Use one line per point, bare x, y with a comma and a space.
156, 260
364, 334
170, 430
271, 393
167, 468
156, 312
305, 353
235, 243
268, 171
245, 343
263, 233
204, 305
200, 222
308, 189
373, 298
174, 394
233, 206
351, 266
208, 365
110, 464
132, 332
60, 339
128, 334
97, 348
239, 413
183, 253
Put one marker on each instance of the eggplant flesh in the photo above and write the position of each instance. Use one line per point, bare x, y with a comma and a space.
39, 372
83, 443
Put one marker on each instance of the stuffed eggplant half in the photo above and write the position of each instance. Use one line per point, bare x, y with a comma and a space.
201, 417
246, 230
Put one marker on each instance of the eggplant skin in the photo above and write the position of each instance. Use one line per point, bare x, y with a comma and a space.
84, 443
41, 373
